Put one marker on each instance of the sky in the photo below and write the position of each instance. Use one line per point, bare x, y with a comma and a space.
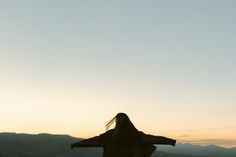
68, 67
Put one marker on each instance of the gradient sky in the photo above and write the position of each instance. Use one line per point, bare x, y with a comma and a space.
67, 67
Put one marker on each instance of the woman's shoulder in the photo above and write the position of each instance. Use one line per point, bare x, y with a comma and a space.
142, 136
141, 133
108, 133
106, 137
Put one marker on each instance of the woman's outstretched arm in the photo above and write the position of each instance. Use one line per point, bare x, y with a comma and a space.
151, 139
91, 142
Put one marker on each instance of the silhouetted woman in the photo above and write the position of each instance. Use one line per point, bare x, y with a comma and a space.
124, 140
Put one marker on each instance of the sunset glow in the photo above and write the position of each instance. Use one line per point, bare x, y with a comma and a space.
69, 67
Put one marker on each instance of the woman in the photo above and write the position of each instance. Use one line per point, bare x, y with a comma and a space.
124, 140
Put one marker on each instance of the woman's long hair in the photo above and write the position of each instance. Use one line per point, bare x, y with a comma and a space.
124, 131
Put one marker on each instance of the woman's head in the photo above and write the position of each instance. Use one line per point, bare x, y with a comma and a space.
120, 119
124, 131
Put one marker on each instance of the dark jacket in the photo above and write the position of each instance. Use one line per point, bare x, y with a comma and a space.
142, 148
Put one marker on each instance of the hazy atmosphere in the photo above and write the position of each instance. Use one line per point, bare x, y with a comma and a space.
67, 67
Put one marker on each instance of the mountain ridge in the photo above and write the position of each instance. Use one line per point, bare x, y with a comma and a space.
49, 145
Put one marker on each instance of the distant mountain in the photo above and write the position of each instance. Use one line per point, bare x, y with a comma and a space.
41, 145
210, 150
47, 145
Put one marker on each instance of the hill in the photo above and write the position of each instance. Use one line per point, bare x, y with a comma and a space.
47, 145
210, 150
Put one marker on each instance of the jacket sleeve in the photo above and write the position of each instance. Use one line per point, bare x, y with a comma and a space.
151, 139
96, 141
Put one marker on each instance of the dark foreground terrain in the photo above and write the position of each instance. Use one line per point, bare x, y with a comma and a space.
46, 145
